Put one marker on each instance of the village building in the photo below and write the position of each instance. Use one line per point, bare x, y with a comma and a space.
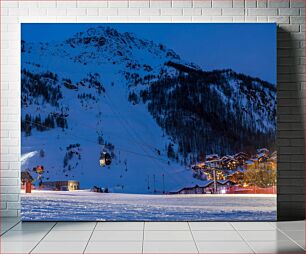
69, 185
208, 188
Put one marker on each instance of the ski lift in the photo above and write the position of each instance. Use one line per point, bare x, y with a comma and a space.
105, 159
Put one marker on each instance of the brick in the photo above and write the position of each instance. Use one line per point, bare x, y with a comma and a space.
9, 173
211, 11
76, 12
278, 3
160, 19
201, 19
238, 3
288, 28
160, 3
202, 3
92, 4
9, 4
222, 3
92, 11
297, 3
10, 197
279, 20
262, 3
9, 213
57, 12
9, 181
13, 205
182, 3
250, 3
262, 12
150, 12
262, 19
289, 11
297, 20
290, 126
118, 4
172, 11
18, 12
108, 11
192, 11
139, 4
47, 4
28, 4
239, 19
181, 19
222, 19
128, 11
250, 19
38, 11
233, 12
66, 4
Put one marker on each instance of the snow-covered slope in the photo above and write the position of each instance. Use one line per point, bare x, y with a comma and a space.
83, 95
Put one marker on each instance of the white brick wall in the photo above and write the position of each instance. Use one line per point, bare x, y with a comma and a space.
290, 14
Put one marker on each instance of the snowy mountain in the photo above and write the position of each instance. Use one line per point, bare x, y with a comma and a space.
102, 90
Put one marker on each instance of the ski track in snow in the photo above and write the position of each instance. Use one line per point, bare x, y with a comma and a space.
90, 206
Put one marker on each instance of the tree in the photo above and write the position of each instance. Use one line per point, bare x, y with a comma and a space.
170, 151
263, 176
42, 153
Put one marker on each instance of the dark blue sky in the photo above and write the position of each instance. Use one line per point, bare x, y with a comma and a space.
246, 48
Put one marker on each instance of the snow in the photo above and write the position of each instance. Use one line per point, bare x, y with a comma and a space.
130, 128
84, 205
25, 157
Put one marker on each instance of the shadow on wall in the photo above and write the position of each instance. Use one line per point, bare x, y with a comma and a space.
290, 130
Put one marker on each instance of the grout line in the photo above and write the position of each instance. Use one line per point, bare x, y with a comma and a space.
290, 238
42, 238
193, 237
10, 228
90, 237
143, 232
244, 240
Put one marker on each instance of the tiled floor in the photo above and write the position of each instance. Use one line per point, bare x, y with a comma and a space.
152, 237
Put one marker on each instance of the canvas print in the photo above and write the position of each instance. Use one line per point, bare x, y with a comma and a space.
148, 122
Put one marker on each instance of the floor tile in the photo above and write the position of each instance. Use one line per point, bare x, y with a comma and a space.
211, 226
107, 236
120, 226
216, 236
276, 247
169, 247
33, 226
60, 247
166, 226
22, 236
63, 226
223, 247
297, 236
290, 225
114, 247
17, 247
167, 236
69, 236
274, 235
252, 226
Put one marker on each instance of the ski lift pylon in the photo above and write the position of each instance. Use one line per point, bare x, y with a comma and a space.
105, 159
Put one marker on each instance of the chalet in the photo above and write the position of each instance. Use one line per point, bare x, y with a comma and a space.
264, 151
26, 177
208, 188
69, 185
236, 176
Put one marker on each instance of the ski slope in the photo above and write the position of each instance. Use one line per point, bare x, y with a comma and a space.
90, 206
